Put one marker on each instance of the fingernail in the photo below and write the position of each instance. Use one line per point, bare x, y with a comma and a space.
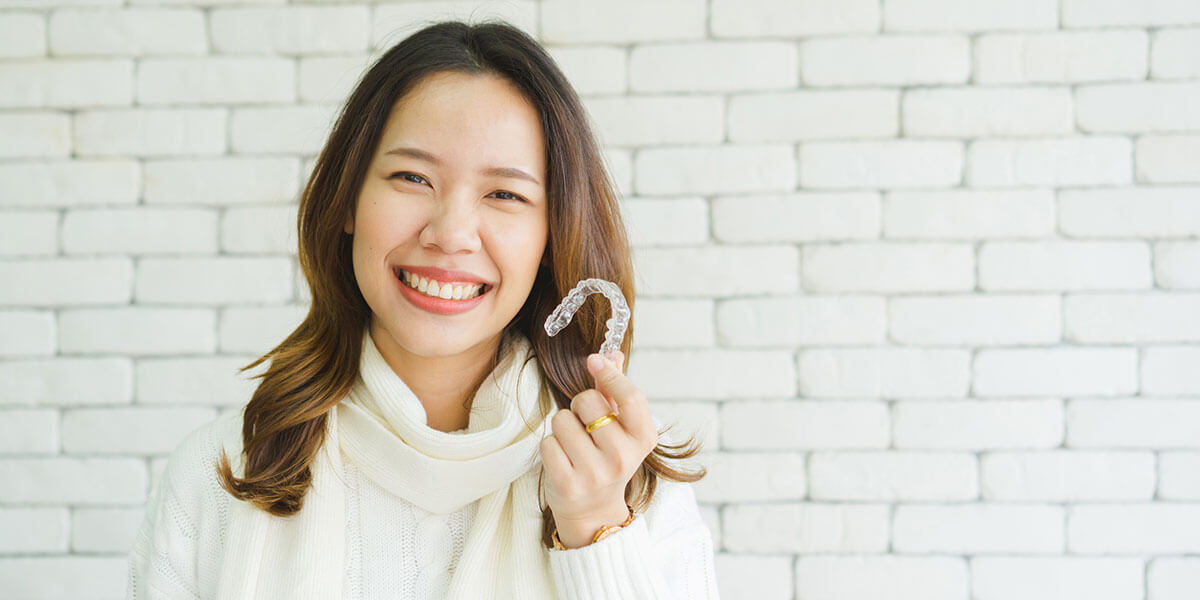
595, 362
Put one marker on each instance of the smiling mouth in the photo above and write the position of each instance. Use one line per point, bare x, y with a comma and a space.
445, 291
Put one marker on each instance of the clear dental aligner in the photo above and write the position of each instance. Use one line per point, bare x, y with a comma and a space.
617, 323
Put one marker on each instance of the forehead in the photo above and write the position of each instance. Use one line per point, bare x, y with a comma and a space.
475, 118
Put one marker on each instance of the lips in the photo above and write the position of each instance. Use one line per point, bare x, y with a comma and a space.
441, 275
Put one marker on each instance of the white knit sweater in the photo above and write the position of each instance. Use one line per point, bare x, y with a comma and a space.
397, 550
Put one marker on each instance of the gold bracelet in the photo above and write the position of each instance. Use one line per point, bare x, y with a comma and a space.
601, 533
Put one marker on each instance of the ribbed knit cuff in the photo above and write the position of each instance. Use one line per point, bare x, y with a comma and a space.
618, 567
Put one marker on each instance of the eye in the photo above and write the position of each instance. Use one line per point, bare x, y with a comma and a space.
405, 175
511, 195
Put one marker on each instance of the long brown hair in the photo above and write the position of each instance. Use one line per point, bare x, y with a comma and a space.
315, 367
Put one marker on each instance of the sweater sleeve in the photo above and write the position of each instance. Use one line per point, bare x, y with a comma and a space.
162, 559
664, 554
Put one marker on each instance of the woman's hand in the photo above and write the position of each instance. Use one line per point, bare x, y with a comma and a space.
587, 472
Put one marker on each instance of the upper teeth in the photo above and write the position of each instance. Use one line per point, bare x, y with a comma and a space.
446, 291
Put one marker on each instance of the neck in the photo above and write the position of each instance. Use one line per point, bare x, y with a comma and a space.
445, 385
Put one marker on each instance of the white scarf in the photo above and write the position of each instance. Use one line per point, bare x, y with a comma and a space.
381, 428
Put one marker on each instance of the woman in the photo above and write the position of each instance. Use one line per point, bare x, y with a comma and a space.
419, 435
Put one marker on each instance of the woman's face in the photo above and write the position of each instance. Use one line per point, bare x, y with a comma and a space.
458, 184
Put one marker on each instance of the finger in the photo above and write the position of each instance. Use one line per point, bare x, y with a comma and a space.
631, 403
576, 443
554, 458
590, 405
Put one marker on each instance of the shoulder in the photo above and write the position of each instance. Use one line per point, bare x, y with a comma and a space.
190, 473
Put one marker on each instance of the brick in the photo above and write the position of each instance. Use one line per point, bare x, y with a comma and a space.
987, 112
713, 374
140, 231
62, 480
1063, 371
104, 530
804, 425
1170, 370
259, 229
257, 329
713, 271
64, 577
27, 332
137, 331
216, 80
978, 424
1153, 317
666, 221
29, 233
29, 134
22, 35
1061, 56
1168, 158
198, 381
391, 23
189, 280
1179, 475
128, 31
748, 476
658, 120
978, 529
979, 15
807, 320
291, 30
1092, 160
713, 66
891, 476
888, 267
969, 214
797, 217
622, 21
883, 164
66, 381
1133, 423
153, 132
882, 576
223, 181
1172, 578
1174, 265
1064, 266
1088, 13
33, 530
28, 431
619, 163
885, 60
674, 323
1067, 476
704, 170
330, 79
1138, 107
769, 576
593, 69
66, 281
807, 528
274, 130
1056, 578
70, 183
814, 114
791, 18
1158, 528
140, 430
975, 320
883, 372
64, 83
1173, 54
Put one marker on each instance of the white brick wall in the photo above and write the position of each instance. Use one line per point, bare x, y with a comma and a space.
924, 275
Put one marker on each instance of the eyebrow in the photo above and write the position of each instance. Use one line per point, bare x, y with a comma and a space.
510, 172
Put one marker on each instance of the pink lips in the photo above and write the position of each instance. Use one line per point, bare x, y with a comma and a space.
438, 305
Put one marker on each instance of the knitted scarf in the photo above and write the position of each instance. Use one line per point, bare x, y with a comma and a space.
381, 428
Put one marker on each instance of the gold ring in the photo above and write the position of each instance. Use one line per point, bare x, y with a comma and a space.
601, 422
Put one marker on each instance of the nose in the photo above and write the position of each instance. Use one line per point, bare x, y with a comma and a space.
453, 226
